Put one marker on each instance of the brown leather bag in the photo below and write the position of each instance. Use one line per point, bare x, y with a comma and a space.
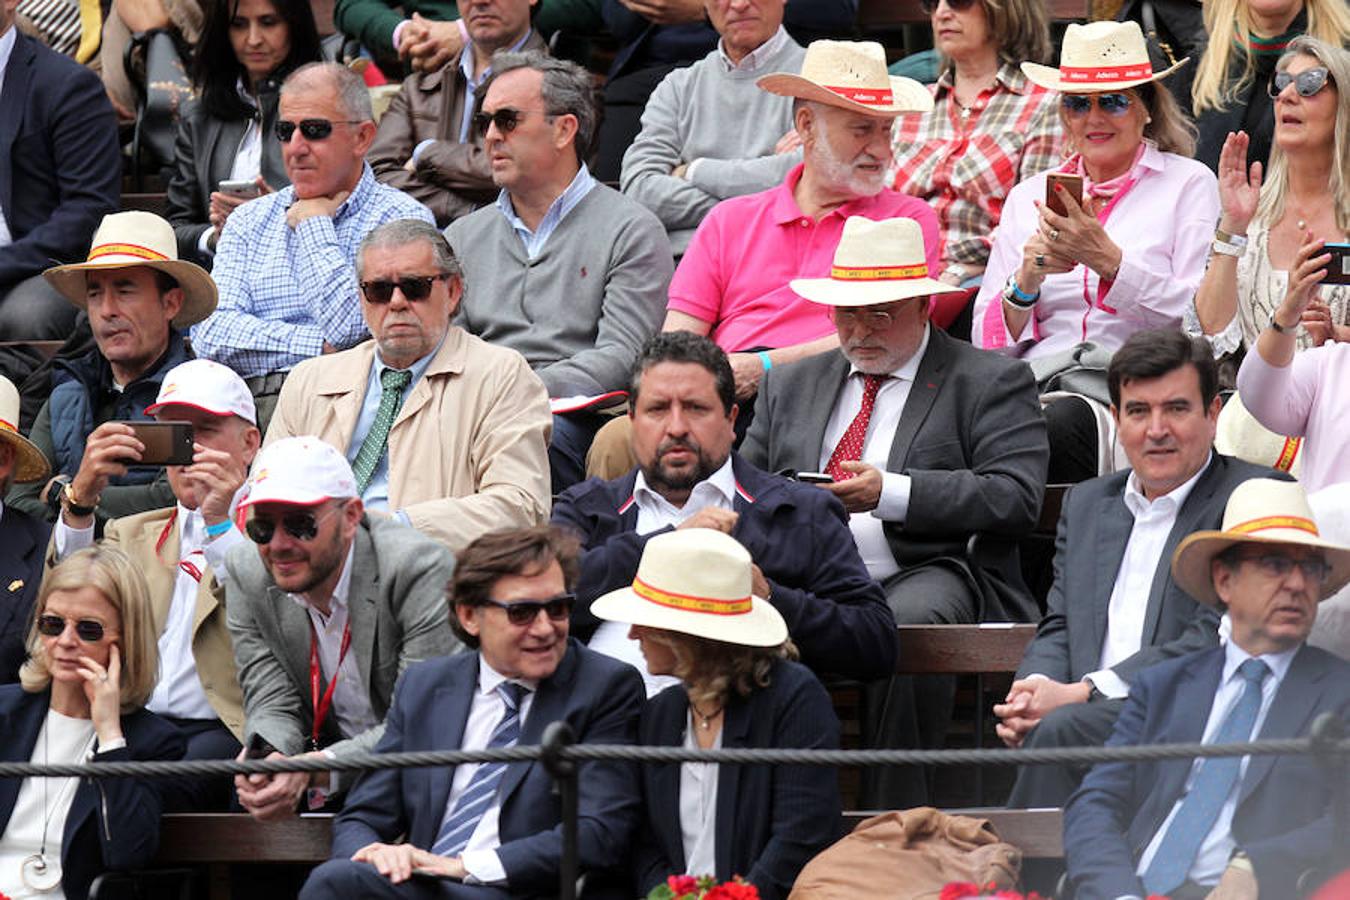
911, 854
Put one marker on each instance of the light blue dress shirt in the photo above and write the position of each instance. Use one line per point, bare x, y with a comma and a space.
534, 240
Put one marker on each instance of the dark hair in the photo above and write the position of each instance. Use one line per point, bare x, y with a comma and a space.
216, 70
164, 282
515, 551
566, 89
685, 347
1156, 352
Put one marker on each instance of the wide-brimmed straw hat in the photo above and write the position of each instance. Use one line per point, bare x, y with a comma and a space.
138, 238
851, 75
1099, 56
29, 462
875, 262
1259, 511
696, 581
1239, 434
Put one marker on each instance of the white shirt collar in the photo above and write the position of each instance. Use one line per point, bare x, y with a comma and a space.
723, 481
489, 679
756, 58
1174, 499
1234, 656
910, 368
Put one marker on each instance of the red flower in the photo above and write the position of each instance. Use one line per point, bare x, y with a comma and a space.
733, 891
957, 890
682, 885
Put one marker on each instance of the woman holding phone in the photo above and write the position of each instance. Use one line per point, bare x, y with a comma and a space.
225, 153
92, 665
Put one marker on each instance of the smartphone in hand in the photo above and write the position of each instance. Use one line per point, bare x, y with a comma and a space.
1071, 182
166, 443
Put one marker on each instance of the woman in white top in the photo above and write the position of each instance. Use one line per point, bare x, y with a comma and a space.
92, 665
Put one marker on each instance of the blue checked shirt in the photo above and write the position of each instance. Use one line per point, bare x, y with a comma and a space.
284, 291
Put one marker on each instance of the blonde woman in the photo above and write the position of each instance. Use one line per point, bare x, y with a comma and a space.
92, 665
1246, 38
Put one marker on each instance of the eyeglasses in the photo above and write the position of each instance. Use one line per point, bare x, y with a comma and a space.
875, 320
310, 129
303, 526
523, 612
1307, 82
506, 119
88, 630
1277, 565
1111, 104
414, 287
930, 6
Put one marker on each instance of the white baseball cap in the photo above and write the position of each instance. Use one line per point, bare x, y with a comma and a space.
207, 386
304, 471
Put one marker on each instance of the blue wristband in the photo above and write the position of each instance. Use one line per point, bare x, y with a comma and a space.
1021, 294
764, 358
219, 528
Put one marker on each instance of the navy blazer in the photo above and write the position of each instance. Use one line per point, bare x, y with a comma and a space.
771, 820
60, 160
126, 835
598, 696
1283, 819
22, 542
796, 533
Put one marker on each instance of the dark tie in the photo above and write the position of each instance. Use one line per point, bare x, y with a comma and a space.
392, 383
850, 445
481, 790
1213, 783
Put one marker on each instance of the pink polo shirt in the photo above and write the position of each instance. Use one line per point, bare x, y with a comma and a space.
736, 271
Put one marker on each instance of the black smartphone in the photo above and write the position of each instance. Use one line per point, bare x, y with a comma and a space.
1338, 269
814, 478
166, 443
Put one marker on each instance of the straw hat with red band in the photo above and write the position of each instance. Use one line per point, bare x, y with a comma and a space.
851, 75
1098, 57
138, 238
302, 471
696, 581
29, 462
1259, 511
875, 262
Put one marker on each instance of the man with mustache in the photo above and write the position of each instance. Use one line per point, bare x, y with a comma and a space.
684, 413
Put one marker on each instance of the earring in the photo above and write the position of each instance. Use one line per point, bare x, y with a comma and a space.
1148, 120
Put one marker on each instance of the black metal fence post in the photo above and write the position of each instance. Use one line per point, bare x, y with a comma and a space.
1327, 731
557, 736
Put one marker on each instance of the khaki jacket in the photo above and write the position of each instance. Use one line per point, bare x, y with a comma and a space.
468, 451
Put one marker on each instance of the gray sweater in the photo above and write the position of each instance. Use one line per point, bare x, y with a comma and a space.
580, 310
703, 112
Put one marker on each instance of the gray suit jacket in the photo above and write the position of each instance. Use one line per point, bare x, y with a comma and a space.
398, 614
1094, 527
971, 439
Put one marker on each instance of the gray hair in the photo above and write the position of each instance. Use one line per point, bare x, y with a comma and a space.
400, 233
352, 94
567, 90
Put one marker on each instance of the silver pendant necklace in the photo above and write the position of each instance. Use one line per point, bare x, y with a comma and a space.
36, 872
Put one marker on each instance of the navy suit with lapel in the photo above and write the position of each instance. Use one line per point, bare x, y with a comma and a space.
22, 541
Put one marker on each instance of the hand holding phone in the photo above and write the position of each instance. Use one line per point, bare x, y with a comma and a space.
166, 443
1072, 184
246, 189
1338, 269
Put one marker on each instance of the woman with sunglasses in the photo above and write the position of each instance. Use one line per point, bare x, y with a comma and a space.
693, 611
247, 49
1268, 215
92, 665
989, 127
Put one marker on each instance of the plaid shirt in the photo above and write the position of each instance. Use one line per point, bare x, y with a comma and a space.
964, 162
284, 291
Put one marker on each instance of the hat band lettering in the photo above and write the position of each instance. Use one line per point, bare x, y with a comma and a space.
710, 605
1095, 74
126, 250
865, 96
1287, 453
1297, 522
892, 273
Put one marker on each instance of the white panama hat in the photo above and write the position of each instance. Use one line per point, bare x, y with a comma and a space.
877, 261
851, 75
30, 464
1099, 57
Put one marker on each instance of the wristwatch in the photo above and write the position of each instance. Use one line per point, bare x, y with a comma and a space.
73, 505
55, 490
1281, 329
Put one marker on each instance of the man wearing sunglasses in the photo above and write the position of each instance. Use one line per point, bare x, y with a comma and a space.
325, 613
1236, 827
494, 826
444, 431
288, 289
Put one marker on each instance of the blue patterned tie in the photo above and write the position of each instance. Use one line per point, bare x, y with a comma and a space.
392, 383
481, 790
1213, 783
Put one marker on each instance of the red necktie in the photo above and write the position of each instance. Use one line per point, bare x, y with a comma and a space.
851, 444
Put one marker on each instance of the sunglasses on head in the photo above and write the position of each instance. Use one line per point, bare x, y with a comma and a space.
1307, 82
506, 119
303, 526
88, 630
414, 287
930, 6
1111, 104
523, 612
310, 129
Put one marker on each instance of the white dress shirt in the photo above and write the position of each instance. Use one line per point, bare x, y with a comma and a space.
698, 807
893, 506
654, 513
485, 712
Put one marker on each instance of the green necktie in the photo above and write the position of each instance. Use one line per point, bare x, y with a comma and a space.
392, 383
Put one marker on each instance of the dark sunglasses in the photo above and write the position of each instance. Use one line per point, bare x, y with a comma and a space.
88, 630
1307, 82
506, 119
1111, 104
310, 129
302, 526
930, 6
523, 612
1277, 565
414, 287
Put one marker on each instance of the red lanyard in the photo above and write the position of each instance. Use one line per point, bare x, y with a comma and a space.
185, 564
321, 704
